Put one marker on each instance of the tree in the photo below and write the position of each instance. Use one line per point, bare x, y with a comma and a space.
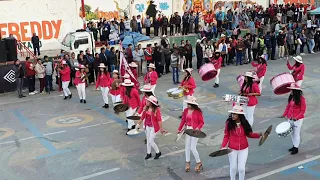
87, 9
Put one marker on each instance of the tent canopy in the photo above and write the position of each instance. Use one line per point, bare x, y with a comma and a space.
315, 11
133, 38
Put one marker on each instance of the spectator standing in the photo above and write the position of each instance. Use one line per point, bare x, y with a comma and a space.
223, 49
30, 73
127, 24
90, 61
273, 46
281, 42
199, 54
175, 66
139, 24
49, 72
147, 24
19, 75
122, 27
185, 21
239, 48
134, 24
172, 25
164, 24
189, 51
156, 25
311, 43
36, 44
177, 22
112, 59
40, 70
167, 54
137, 58
96, 63
129, 55
103, 57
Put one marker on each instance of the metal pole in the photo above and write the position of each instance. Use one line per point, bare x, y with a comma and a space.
83, 13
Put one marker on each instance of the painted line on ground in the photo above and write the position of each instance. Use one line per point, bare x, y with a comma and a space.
169, 154
97, 174
284, 168
94, 125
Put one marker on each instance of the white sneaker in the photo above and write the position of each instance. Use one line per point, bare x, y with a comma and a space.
35, 92
32, 93
312, 52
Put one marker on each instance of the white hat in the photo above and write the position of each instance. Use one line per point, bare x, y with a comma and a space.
64, 62
280, 31
294, 86
249, 74
191, 100
217, 51
82, 66
222, 35
164, 36
298, 59
151, 65
127, 82
133, 64
237, 110
115, 71
146, 88
153, 100
198, 40
102, 65
126, 76
262, 56
189, 70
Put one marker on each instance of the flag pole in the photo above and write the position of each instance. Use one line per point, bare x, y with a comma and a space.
83, 14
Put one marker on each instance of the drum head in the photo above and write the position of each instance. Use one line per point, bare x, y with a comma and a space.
120, 107
220, 152
134, 117
209, 75
172, 89
134, 132
195, 133
283, 127
178, 91
265, 135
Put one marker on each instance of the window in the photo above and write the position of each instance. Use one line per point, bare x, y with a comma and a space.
67, 40
79, 42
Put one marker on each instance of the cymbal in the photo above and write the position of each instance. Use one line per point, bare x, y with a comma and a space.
134, 132
196, 133
220, 152
120, 107
134, 117
265, 135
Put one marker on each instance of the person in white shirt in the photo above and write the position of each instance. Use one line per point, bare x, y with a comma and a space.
127, 24
114, 37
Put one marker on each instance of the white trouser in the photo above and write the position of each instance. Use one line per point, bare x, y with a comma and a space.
116, 98
295, 135
249, 110
66, 90
260, 84
130, 112
184, 104
151, 135
105, 92
238, 159
153, 88
299, 83
191, 144
81, 87
217, 77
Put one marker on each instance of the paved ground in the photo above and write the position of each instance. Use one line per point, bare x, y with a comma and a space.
44, 137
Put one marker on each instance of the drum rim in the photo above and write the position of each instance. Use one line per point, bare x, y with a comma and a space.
289, 83
172, 89
279, 75
278, 126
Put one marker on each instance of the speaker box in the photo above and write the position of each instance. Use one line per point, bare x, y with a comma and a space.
11, 45
3, 52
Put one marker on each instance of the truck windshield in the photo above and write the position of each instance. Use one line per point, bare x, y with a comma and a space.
67, 40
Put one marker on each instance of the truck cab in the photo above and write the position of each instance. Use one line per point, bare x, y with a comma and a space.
78, 41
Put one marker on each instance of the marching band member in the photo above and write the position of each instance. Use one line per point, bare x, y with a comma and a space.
217, 61
104, 82
153, 123
295, 111
151, 77
192, 118
132, 99
115, 93
236, 132
133, 67
261, 70
80, 82
250, 89
65, 78
188, 84
298, 70
147, 90
122, 88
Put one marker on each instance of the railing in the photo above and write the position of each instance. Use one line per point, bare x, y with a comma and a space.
24, 51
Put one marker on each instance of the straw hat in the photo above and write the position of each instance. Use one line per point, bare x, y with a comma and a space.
82, 66
151, 65
127, 82
64, 62
153, 100
249, 74
191, 100
133, 64
102, 65
146, 88
298, 59
294, 86
237, 110
115, 71
263, 56
217, 51
126, 76
189, 70
222, 35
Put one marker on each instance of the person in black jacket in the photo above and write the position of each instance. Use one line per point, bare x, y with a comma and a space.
199, 53
36, 44
273, 45
281, 42
103, 57
112, 59
185, 21
156, 25
19, 75
267, 43
189, 50
164, 24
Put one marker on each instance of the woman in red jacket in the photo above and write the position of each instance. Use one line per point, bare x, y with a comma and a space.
261, 70
217, 61
147, 90
152, 121
133, 67
295, 111
115, 93
188, 84
192, 118
104, 81
80, 83
65, 78
298, 70
236, 131
251, 90
132, 99
151, 77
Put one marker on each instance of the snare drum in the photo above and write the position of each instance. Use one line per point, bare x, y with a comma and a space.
240, 79
177, 94
284, 129
234, 98
169, 92
207, 72
281, 82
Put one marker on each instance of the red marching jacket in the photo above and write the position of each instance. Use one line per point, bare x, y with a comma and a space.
103, 80
189, 84
151, 77
77, 80
298, 72
253, 100
196, 122
294, 111
237, 139
155, 119
261, 69
143, 104
115, 92
65, 74
217, 62
134, 100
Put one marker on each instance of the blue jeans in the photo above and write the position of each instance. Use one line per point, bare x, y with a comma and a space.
175, 74
311, 44
239, 57
48, 83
